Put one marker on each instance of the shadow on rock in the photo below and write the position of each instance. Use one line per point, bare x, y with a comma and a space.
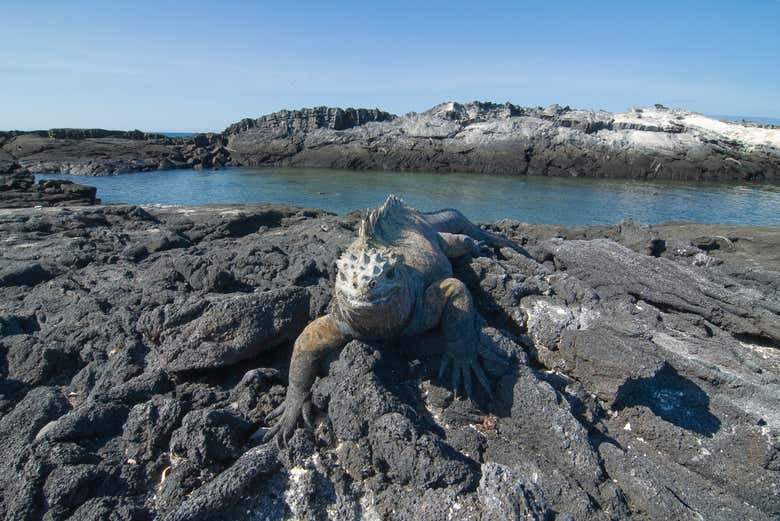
671, 397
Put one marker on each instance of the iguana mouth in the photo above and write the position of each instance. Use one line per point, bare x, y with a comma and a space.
373, 302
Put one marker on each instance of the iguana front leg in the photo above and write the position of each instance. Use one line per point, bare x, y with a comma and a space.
451, 300
317, 340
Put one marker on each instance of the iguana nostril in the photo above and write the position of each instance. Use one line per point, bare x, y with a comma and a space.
354, 285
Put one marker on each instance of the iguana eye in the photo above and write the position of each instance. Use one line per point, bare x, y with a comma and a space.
372, 284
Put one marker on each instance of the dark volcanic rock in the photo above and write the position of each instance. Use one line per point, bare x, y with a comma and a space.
141, 348
96, 152
18, 190
211, 436
228, 330
288, 121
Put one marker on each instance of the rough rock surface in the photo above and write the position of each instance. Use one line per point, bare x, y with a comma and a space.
651, 143
18, 190
95, 152
141, 348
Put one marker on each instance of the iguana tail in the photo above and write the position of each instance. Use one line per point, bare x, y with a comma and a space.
452, 221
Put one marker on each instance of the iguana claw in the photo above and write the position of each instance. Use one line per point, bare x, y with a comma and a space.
289, 415
461, 374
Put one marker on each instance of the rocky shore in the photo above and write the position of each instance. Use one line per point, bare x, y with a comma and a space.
642, 143
141, 348
19, 190
96, 152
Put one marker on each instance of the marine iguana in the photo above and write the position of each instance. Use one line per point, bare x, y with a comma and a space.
395, 280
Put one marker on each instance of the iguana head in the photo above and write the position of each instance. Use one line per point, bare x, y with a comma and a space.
369, 277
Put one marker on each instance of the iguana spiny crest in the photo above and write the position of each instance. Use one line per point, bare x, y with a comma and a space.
374, 226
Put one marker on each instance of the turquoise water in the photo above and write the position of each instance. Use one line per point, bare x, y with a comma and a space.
566, 201
176, 134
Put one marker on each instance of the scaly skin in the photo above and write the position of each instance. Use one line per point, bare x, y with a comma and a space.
394, 280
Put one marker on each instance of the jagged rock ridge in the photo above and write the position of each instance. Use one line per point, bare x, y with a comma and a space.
305, 120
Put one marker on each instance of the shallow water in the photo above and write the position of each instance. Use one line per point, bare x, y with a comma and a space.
566, 201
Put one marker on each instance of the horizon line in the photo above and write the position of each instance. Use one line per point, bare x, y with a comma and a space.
771, 120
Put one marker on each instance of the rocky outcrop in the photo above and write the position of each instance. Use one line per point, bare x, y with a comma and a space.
96, 152
650, 143
84, 133
305, 120
653, 143
18, 190
141, 348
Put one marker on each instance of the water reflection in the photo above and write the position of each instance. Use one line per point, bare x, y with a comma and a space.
567, 201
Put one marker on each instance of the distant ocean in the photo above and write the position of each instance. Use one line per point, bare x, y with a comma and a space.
754, 119
176, 134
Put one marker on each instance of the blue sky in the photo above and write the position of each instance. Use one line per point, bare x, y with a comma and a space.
199, 66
